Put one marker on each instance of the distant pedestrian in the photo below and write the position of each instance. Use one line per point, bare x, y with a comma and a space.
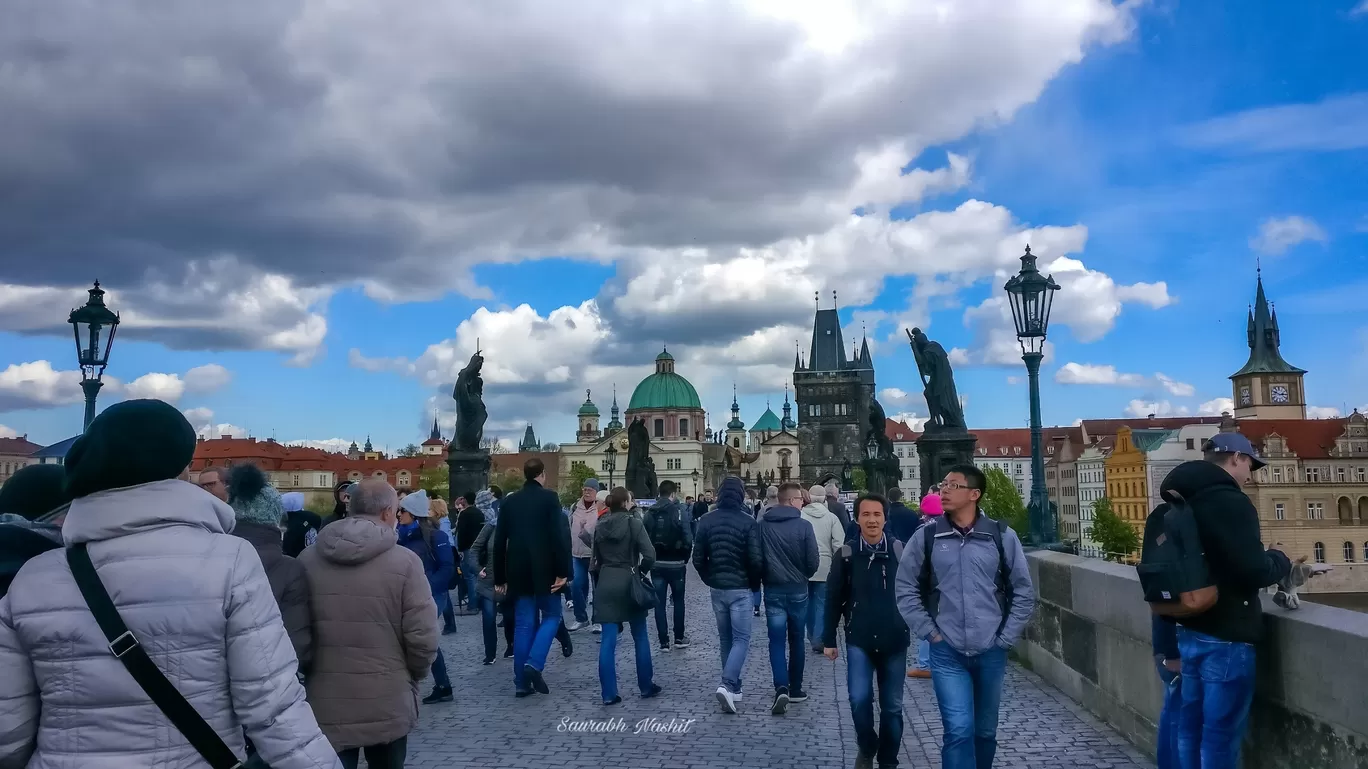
964, 585
432, 547
903, 521
721, 557
375, 630
440, 514
341, 502
215, 481
862, 593
670, 527
772, 499
830, 535
621, 551
838, 508
301, 526
583, 517
531, 565
931, 509
469, 521
702, 506
783, 549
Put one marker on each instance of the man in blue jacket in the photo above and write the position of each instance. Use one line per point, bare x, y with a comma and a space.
783, 551
970, 618
720, 556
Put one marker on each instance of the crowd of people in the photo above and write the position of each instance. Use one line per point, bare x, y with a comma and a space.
302, 640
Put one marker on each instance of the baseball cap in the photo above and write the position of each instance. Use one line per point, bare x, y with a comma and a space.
1234, 443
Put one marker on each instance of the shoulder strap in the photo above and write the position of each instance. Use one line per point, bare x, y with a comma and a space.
897, 549
1004, 575
124, 646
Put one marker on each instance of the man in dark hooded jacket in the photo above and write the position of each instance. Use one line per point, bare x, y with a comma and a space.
783, 549
1217, 646
27, 496
720, 556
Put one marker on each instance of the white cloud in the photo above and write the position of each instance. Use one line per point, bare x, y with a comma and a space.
1216, 407
8, 432
917, 423
1090, 374
206, 379
1322, 412
1360, 9
38, 385
202, 419
1174, 387
893, 398
1278, 235
1014, 380
333, 445
1141, 409
166, 387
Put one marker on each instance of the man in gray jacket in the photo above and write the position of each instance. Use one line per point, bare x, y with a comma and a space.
971, 620
783, 550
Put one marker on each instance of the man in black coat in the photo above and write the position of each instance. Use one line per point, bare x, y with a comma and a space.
531, 565
721, 558
783, 549
902, 522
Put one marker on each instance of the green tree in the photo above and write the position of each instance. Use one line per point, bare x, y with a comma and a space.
1001, 501
1117, 538
509, 480
858, 479
436, 481
574, 483
410, 450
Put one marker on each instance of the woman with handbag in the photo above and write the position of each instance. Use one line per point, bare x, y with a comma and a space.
622, 556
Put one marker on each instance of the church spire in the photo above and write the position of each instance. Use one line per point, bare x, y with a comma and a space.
735, 423
787, 423
1265, 354
436, 434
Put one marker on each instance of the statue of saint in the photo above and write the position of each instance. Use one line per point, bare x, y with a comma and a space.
470, 408
640, 469
938, 380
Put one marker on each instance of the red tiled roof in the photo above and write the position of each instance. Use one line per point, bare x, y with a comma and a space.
899, 431
1307, 438
1097, 428
1017, 441
17, 447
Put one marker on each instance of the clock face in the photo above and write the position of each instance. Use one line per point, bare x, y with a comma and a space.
1278, 393
1245, 396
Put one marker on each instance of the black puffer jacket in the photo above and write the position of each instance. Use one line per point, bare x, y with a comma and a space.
1240, 566
783, 548
720, 544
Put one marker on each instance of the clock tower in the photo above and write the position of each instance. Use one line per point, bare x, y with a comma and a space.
1267, 387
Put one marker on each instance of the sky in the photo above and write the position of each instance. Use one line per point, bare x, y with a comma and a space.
309, 213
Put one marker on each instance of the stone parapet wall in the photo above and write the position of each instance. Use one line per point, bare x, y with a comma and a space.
1090, 637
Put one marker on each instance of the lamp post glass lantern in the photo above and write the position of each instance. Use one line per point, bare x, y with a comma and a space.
612, 464
1031, 296
94, 326
694, 476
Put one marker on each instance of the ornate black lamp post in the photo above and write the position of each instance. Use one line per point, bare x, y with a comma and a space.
94, 326
1031, 295
612, 453
694, 476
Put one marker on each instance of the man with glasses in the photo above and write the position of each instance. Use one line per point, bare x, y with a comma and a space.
211, 480
971, 619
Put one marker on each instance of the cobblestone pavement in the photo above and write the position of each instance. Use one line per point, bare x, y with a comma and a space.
487, 727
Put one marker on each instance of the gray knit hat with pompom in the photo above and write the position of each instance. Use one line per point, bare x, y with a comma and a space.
252, 497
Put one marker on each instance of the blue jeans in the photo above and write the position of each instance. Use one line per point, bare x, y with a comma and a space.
785, 619
535, 621
1166, 749
1218, 688
862, 669
969, 690
755, 599
439, 670
470, 571
733, 612
579, 590
608, 657
449, 616
488, 623
669, 579
816, 614
923, 654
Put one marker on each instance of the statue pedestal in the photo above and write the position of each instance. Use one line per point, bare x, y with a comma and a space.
938, 451
469, 471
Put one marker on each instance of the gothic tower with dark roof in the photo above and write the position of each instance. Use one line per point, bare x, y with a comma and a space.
832, 393
1267, 387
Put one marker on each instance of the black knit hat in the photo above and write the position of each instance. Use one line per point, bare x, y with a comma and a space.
130, 443
33, 491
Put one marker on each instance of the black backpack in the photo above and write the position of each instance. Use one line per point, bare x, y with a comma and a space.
1173, 568
929, 584
666, 526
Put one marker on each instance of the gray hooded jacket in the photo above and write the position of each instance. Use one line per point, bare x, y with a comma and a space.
969, 613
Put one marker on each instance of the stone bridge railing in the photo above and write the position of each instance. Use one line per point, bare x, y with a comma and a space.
1091, 638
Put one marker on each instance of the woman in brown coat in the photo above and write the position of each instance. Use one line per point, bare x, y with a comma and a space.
621, 548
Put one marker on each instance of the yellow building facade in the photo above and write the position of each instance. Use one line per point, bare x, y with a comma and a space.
1127, 487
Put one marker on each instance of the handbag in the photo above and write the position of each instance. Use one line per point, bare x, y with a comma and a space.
126, 648
643, 592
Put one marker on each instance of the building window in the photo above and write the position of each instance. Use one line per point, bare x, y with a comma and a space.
1348, 552
1313, 475
604, 465
576, 463
322, 480
1277, 475
1339, 475
1315, 511
660, 428
684, 428
736, 443
1279, 512
1365, 552
1358, 475
296, 480
1320, 552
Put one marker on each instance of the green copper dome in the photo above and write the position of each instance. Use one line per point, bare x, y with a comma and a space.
767, 423
664, 389
588, 409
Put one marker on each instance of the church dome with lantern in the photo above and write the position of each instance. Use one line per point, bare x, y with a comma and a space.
668, 403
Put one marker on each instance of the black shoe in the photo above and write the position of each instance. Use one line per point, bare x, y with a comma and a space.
654, 691
781, 701
797, 695
613, 701
488, 661
681, 643
863, 761
567, 648
664, 647
817, 650
508, 653
755, 612
439, 694
534, 677
449, 631
523, 693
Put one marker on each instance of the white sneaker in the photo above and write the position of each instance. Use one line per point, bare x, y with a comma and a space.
596, 629
727, 699
573, 625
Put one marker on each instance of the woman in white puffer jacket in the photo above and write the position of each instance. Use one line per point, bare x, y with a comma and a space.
194, 596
